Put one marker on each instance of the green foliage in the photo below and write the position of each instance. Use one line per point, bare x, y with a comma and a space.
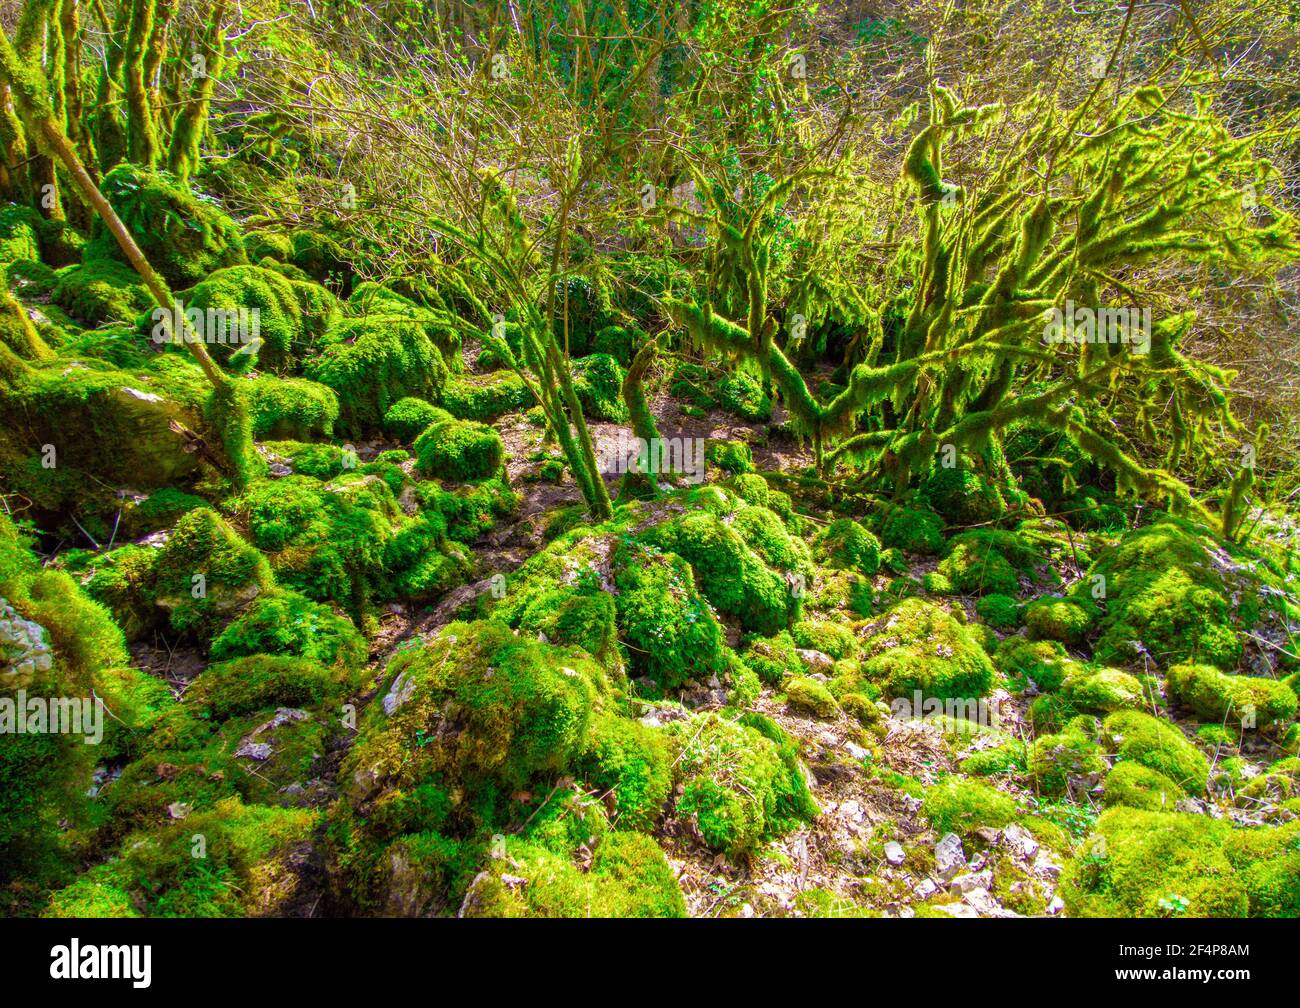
458, 450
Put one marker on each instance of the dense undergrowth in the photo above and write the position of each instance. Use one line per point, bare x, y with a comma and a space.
946, 620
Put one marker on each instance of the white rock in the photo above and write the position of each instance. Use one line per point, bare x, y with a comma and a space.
969, 882
1019, 841
894, 853
949, 857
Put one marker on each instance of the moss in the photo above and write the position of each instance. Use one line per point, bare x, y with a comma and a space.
1250, 701
1133, 735
1164, 592
248, 684
740, 781
962, 495
1002, 612
773, 658
918, 646
1140, 787
839, 593
671, 632
741, 394
122, 581
458, 450
1268, 862
764, 532
808, 694
1141, 863
1053, 618
374, 362
629, 765
963, 806
731, 575
30, 279
291, 409
18, 225
407, 418
1021, 661
913, 530
184, 237
1056, 761
521, 708
1007, 758
206, 573
471, 397
161, 509
598, 381
1102, 690
101, 291
470, 511
288, 317
286, 623
987, 561
847, 545
729, 456
829, 638
629, 877
561, 596
245, 870
108, 429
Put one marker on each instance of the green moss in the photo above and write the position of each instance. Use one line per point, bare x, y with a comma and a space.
407, 418
1102, 690
962, 806
731, 575
458, 450
286, 623
807, 694
629, 877
248, 684
288, 317
1002, 612
1007, 758
598, 380
913, 530
1250, 701
671, 632
1268, 863
1133, 735
372, 364
1154, 864
629, 765
1021, 661
847, 545
962, 495
1140, 787
1053, 618
101, 291
183, 236
1164, 592
829, 638
485, 398
1057, 761
729, 456
773, 658
987, 561
292, 409
18, 239
741, 394
741, 783
918, 646
206, 573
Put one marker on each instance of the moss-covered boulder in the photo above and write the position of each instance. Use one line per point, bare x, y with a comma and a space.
293, 409
101, 291
458, 450
919, 646
1216, 697
844, 544
184, 236
1158, 745
374, 362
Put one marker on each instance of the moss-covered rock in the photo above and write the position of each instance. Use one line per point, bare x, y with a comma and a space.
1054, 618
1044, 663
183, 236
631, 764
962, 806
918, 646
915, 530
286, 623
101, 291
1144, 739
458, 450
1102, 691
985, 561
1062, 762
598, 380
1140, 787
804, 693
374, 362
485, 398
292, 409
962, 495
741, 782
1215, 696
846, 544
